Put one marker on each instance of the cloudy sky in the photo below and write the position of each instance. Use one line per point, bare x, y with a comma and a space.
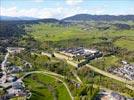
64, 8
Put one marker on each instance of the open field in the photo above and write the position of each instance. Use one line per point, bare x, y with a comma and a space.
50, 32
116, 45
106, 62
90, 75
126, 43
46, 88
74, 35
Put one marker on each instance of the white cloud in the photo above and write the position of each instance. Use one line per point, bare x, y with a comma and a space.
33, 12
38, 1
8, 11
59, 12
73, 2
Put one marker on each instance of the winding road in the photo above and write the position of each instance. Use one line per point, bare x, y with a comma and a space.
3, 68
77, 77
4, 62
51, 74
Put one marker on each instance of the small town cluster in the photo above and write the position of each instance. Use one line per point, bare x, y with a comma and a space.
104, 95
9, 80
126, 70
75, 56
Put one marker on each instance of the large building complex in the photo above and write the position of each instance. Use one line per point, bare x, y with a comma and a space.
80, 55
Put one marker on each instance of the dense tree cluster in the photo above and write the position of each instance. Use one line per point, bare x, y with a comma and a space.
9, 28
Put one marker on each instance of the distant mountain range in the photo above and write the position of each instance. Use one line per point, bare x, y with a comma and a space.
17, 18
88, 17
78, 17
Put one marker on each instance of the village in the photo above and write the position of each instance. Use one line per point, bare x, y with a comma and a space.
126, 70
109, 95
77, 57
9, 81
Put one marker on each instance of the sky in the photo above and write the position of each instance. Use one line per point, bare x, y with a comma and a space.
63, 8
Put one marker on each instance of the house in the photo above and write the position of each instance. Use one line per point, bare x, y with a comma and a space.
27, 65
11, 78
3, 78
46, 54
124, 62
14, 50
18, 85
105, 95
1, 74
14, 69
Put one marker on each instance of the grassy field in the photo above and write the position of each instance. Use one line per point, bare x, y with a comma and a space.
46, 88
48, 32
126, 43
57, 32
61, 36
105, 62
19, 98
91, 76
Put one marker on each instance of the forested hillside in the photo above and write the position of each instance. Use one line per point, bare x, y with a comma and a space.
88, 17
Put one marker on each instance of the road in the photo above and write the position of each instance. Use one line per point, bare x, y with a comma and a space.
3, 64
77, 77
109, 75
46, 72
3, 68
51, 74
60, 77
55, 75
128, 83
106, 74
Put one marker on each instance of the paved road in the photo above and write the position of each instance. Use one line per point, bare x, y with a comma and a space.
112, 76
109, 75
51, 74
3, 64
77, 77
46, 72
3, 68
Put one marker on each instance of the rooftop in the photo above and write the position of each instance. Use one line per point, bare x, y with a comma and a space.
79, 51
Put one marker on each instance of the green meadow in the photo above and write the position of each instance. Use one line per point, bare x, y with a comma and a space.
127, 43
106, 62
74, 33
45, 87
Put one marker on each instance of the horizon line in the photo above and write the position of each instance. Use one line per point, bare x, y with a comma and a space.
71, 16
